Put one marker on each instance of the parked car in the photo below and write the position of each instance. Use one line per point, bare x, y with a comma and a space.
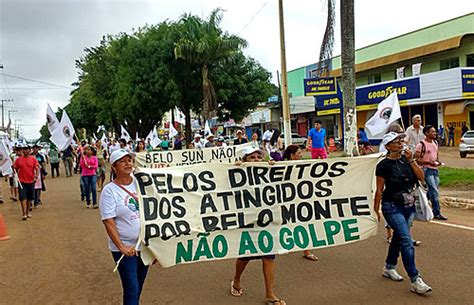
296, 139
467, 144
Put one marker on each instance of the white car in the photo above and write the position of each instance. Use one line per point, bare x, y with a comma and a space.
296, 139
467, 144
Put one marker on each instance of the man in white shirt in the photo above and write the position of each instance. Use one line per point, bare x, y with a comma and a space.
415, 131
197, 141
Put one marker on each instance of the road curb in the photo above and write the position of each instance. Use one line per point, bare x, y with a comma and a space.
460, 203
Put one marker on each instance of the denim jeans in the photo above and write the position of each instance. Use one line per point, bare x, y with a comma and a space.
432, 180
400, 218
132, 274
90, 186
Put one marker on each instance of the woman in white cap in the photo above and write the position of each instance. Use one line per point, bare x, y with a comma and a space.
396, 177
120, 215
254, 154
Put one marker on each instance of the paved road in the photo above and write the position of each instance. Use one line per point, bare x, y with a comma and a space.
60, 257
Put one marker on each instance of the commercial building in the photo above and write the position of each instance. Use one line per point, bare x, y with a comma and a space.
432, 70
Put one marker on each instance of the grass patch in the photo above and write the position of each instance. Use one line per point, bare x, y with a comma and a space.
449, 176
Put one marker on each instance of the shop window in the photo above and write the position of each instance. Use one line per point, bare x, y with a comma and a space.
449, 63
470, 60
375, 78
313, 73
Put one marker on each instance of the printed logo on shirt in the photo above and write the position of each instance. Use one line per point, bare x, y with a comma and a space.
132, 204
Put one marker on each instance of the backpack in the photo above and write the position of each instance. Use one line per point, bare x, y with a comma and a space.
423, 149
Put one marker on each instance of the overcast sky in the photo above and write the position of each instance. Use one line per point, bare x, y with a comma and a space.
41, 39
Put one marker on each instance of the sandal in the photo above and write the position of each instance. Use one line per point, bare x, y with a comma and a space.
234, 291
275, 302
311, 257
416, 243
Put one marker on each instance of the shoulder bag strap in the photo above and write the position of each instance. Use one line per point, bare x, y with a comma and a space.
126, 191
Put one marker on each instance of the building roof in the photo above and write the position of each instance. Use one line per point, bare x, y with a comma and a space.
434, 38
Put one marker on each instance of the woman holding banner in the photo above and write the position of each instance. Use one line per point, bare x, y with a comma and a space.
121, 218
254, 154
292, 153
396, 176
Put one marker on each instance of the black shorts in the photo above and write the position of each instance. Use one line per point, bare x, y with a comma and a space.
11, 181
27, 191
256, 257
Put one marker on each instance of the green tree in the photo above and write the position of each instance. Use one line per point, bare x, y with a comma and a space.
204, 44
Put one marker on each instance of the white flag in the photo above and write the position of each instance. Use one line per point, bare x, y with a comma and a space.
388, 111
124, 133
153, 136
207, 129
400, 72
173, 131
63, 135
179, 116
51, 119
5, 161
416, 69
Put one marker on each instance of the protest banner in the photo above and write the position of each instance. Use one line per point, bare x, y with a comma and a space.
220, 211
159, 159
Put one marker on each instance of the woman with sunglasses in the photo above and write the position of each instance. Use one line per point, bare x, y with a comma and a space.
396, 176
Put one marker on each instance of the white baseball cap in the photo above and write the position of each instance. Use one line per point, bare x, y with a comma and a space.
250, 150
119, 154
197, 135
389, 137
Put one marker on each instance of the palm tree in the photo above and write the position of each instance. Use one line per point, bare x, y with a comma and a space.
204, 44
347, 66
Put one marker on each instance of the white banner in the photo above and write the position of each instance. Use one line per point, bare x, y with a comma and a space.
159, 159
5, 161
220, 211
124, 133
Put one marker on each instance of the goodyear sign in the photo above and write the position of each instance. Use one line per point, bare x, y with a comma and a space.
407, 89
467, 81
369, 97
319, 86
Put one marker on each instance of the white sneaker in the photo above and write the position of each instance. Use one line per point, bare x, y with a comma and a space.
420, 287
392, 274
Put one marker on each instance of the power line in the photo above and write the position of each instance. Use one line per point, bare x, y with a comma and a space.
253, 17
36, 81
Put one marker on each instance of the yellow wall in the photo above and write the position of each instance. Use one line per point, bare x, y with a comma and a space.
456, 121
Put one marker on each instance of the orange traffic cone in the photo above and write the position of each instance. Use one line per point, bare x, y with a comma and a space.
3, 229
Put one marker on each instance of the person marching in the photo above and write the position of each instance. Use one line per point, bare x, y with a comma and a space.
54, 160
252, 154
39, 184
121, 218
102, 166
396, 176
317, 137
89, 164
28, 170
292, 153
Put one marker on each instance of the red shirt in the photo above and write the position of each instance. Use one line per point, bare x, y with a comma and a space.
25, 166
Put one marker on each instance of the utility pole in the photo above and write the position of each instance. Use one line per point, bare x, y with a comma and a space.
3, 119
284, 79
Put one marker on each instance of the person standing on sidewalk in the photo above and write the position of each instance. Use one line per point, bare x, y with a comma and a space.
317, 137
427, 157
396, 176
28, 170
89, 164
39, 185
54, 160
414, 132
450, 134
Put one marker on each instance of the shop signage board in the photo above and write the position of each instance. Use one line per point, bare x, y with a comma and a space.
467, 80
319, 86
